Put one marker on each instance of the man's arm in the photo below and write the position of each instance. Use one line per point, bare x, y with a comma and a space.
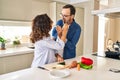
54, 31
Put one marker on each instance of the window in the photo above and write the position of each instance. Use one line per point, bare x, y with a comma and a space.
12, 29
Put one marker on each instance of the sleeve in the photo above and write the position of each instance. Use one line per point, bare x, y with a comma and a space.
54, 32
72, 43
60, 52
56, 45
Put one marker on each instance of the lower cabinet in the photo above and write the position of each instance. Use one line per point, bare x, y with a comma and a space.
15, 62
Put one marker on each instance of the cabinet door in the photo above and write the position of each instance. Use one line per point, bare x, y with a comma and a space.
15, 9
1, 66
24, 10
16, 62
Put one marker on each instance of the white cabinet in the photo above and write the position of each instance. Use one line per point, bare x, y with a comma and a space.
15, 62
22, 9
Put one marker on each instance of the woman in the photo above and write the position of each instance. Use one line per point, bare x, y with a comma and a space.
45, 47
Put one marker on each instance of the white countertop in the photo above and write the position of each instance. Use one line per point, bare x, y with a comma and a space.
15, 51
100, 71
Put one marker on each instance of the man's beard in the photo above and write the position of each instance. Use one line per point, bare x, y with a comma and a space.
66, 21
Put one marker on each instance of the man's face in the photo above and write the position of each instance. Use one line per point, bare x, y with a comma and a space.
66, 15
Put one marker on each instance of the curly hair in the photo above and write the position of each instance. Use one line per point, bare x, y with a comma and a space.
41, 25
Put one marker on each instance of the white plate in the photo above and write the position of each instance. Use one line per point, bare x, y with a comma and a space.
59, 73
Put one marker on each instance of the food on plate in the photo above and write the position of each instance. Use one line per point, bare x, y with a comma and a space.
78, 67
73, 64
62, 63
58, 66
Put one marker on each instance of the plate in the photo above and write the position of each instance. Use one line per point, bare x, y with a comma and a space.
59, 73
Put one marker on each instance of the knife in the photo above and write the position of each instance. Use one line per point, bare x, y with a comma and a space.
114, 70
43, 68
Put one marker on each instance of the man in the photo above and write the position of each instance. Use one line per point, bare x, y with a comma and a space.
73, 35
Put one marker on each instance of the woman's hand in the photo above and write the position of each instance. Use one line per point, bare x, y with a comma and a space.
59, 31
65, 27
64, 32
59, 58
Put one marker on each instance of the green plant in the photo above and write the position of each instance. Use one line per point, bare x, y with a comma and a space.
2, 40
16, 41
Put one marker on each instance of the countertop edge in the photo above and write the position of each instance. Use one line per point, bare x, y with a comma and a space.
15, 51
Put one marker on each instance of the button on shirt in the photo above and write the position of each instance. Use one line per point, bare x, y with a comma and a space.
45, 50
73, 36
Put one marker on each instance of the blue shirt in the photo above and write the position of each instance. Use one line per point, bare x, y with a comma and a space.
73, 36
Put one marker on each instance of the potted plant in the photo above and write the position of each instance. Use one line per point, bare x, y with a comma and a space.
16, 41
2, 43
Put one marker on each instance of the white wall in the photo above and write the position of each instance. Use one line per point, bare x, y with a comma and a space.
63, 1
53, 12
117, 33
78, 1
79, 18
88, 28
71, 1
114, 3
39, 7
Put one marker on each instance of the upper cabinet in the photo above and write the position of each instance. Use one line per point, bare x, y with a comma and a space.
22, 9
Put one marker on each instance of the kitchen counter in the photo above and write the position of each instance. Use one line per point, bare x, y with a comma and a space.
100, 71
15, 51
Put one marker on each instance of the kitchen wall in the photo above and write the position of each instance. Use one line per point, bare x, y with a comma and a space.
79, 17
112, 26
118, 29
112, 30
114, 3
88, 27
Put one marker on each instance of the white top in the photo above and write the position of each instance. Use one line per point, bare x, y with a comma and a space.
45, 50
